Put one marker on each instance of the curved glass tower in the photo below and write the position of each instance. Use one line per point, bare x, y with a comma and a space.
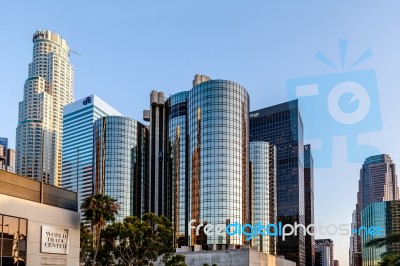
176, 110
263, 192
120, 165
218, 157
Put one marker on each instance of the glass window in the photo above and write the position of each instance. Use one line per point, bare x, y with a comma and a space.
13, 240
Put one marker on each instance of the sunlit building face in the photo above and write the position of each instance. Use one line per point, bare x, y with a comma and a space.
218, 160
120, 163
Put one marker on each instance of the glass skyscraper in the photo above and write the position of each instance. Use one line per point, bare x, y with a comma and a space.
309, 203
282, 126
49, 87
218, 156
120, 163
263, 192
378, 182
377, 214
176, 156
79, 117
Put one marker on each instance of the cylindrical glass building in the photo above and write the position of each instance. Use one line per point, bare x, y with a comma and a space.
120, 163
263, 192
218, 158
176, 110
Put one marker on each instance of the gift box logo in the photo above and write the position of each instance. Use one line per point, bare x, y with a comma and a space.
338, 104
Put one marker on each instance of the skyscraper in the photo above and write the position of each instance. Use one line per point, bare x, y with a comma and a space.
263, 192
3, 158
281, 125
11, 160
309, 203
4, 142
157, 183
40, 122
175, 161
199, 157
120, 163
79, 117
218, 132
3, 153
378, 182
324, 252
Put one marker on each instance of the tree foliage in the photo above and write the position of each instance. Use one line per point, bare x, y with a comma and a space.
135, 241
99, 209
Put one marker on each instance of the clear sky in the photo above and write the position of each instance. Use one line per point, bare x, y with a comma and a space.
129, 48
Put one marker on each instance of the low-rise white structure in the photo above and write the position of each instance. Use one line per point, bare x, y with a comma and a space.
34, 233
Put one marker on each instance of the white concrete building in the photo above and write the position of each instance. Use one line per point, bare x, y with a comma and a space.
34, 233
48, 88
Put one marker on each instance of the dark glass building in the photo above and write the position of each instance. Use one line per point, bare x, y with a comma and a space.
282, 126
120, 163
309, 203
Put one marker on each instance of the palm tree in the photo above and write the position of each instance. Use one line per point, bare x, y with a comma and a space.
384, 241
391, 257
99, 209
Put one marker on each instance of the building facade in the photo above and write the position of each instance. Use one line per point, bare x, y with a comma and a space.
263, 192
40, 122
11, 160
324, 252
176, 164
385, 215
309, 203
3, 158
218, 158
281, 125
120, 163
378, 182
158, 195
31, 224
79, 117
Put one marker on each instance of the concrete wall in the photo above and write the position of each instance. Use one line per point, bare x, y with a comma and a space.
29, 189
41, 214
234, 257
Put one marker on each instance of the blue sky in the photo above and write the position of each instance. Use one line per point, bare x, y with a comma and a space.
129, 48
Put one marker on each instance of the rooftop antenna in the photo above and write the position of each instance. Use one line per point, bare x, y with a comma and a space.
75, 52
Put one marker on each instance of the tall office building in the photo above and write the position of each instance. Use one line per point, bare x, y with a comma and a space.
324, 252
77, 163
40, 122
263, 192
4, 143
157, 182
378, 182
175, 161
354, 257
199, 157
281, 125
120, 163
309, 203
11, 160
385, 215
3, 158
218, 156
3, 153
